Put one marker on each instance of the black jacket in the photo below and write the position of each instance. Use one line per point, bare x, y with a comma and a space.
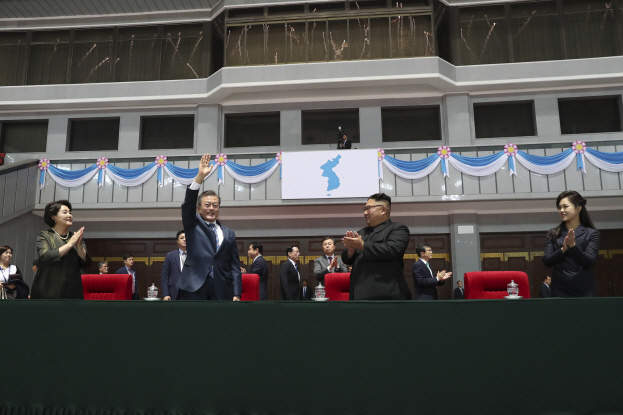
573, 270
378, 270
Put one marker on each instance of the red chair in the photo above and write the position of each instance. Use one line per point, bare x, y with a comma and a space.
492, 284
107, 286
337, 285
250, 287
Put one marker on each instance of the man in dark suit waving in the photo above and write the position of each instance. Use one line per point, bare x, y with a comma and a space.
376, 252
212, 267
425, 282
172, 268
289, 275
259, 267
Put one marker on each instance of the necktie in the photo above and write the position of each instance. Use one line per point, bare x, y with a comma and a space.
183, 259
218, 241
304, 288
428, 266
131, 272
297, 271
330, 261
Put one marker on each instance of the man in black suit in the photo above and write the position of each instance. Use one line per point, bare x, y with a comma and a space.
289, 275
459, 293
128, 262
212, 267
172, 268
425, 282
259, 267
376, 252
345, 143
306, 293
329, 262
546, 291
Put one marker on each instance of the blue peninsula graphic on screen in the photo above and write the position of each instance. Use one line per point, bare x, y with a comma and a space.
327, 171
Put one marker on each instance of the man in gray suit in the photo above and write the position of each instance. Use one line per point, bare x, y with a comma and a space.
329, 262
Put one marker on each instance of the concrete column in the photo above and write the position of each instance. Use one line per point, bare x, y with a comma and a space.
370, 127
547, 117
57, 137
291, 126
209, 129
129, 132
465, 244
456, 110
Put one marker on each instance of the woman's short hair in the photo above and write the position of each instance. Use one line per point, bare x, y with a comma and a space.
5, 248
51, 209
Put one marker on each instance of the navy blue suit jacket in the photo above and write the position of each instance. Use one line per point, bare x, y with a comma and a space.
425, 283
289, 281
573, 270
202, 254
260, 267
123, 270
171, 274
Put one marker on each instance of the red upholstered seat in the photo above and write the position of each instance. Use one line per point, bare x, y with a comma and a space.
107, 286
250, 287
337, 285
492, 284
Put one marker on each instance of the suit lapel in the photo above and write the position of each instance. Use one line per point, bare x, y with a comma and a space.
225, 235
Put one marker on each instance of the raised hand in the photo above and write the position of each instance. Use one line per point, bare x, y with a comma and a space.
352, 240
204, 168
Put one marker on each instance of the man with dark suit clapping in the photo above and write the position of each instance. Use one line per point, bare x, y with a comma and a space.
376, 252
259, 267
289, 275
425, 282
172, 268
212, 267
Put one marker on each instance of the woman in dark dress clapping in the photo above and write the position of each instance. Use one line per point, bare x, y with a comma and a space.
572, 248
61, 255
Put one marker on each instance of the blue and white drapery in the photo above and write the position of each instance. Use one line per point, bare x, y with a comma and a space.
411, 170
486, 165
138, 176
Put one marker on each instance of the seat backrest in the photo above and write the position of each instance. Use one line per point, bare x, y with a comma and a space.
337, 285
250, 287
107, 286
492, 284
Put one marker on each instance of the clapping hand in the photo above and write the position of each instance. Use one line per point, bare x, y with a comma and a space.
569, 241
76, 239
352, 240
443, 275
333, 263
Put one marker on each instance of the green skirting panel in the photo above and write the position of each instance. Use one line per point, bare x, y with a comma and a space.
550, 357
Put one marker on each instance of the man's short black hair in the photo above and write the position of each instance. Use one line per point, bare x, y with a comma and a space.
101, 264
328, 237
178, 234
35, 262
126, 256
258, 246
382, 197
421, 248
304, 280
208, 193
290, 248
545, 277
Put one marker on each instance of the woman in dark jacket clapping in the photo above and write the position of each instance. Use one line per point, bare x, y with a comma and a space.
572, 248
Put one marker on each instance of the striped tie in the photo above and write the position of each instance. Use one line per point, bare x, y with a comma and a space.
218, 245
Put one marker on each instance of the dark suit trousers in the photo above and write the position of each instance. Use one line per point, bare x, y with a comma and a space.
205, 292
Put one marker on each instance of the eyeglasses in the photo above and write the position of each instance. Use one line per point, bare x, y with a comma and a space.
369, 208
